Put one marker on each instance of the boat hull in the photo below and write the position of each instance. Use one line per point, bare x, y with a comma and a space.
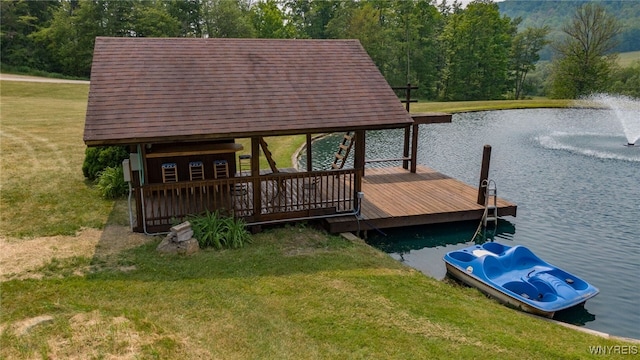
495, 294
518, 278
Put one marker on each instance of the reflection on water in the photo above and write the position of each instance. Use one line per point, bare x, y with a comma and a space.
576, 315
423, 247
577, 190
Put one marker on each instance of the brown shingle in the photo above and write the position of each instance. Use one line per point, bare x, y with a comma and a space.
155, 90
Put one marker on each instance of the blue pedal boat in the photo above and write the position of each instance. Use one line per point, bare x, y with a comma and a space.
517, 277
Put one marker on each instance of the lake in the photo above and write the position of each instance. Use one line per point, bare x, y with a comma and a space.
576, 186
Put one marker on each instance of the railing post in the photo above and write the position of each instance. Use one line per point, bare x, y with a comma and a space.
484, 173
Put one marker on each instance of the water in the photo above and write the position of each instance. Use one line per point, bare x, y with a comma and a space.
627, 111
576, 186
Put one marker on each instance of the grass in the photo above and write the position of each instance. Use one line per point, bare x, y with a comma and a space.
43, 189
626, 59
294, 293
465, 106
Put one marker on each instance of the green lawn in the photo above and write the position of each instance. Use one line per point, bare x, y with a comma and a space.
295, 292
43, 189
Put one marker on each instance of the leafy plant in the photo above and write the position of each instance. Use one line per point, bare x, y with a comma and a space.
237, 234
97, 159
111, 183
213, 230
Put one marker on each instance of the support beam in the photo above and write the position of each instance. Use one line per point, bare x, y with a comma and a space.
414, 148
358, 160
309, 160
405, 151
255, 173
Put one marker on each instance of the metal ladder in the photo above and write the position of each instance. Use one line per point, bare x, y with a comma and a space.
490, 203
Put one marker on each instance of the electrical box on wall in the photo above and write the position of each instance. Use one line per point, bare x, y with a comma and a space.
126, 170
134, 161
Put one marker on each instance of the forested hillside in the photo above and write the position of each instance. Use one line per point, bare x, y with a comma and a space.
555, 14
485, 50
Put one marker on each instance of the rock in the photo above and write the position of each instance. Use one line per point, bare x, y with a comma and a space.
170, 246
179, 241
184, 235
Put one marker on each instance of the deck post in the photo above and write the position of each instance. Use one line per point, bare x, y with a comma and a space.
137, 195
405, 152
484, 173
358, 162
414, 147
255, 173
309, 160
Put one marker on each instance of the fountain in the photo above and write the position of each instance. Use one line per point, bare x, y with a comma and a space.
627, 110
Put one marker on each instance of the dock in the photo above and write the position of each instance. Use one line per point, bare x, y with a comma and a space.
395, 197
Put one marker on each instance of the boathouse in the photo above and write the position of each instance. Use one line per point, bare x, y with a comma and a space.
197, 116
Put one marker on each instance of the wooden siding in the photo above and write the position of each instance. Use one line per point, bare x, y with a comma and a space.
395, 197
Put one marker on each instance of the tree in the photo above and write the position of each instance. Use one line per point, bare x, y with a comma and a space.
419, 35
525, 50
18, 21
311, 17
270, 22
477, 42
584, 63
153, 20
70, 37
626, 81
226, 19
188, 13
362, 21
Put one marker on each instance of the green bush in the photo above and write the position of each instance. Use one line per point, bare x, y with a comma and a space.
219, 232
97, 159
111, 183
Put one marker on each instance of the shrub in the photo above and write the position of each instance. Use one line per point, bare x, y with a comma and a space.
219, 232
97, 159
111, 183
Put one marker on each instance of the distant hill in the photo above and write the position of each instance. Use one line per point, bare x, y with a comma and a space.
555, 14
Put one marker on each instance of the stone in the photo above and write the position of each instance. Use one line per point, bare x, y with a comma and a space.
170, 246
184, 235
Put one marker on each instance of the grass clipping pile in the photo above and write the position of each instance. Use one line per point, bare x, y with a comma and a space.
27, 258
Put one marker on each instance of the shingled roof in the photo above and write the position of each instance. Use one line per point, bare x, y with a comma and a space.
182, 89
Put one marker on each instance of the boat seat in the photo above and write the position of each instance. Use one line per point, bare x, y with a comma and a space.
522, 257
492, 267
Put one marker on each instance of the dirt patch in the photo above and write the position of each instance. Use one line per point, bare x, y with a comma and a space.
20, 258
92, 336
23, 327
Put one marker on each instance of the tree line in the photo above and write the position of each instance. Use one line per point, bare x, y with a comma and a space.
449, 52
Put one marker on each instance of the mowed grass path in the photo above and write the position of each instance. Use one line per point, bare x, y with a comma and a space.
43, 189
294, 293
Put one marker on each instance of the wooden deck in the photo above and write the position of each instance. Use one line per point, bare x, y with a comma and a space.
395, 197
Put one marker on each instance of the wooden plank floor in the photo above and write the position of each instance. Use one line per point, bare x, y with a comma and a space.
395, 197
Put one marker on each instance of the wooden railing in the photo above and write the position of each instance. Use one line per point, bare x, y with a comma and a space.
279, 196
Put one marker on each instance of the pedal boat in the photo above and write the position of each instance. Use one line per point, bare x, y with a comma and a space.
517, 277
